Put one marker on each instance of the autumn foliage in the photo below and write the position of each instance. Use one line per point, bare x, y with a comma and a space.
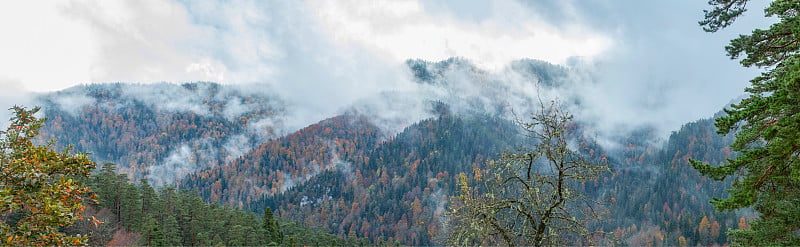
41, 191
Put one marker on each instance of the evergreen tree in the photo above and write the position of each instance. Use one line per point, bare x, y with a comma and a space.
768, 124
172, 234
152, 235
270, 227
217, 240
150, 203
202, 239
131, 210
352, 239
41, 190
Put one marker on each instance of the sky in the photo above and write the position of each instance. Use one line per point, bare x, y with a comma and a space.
650, 62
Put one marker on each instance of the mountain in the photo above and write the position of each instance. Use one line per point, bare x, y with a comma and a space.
385, 189
659, 198
351, 175
161, 132
278, 165
399, 188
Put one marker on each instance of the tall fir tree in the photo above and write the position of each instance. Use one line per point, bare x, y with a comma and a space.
270, 228
131, 210
151, 235
172, 234
767, 170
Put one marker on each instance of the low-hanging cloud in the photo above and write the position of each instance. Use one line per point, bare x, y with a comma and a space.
628, 65
431, 30
313, 54
663, 70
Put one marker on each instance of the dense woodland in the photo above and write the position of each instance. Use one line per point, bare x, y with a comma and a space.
142, 129
142, 215
202, 164
346, 177
277, 165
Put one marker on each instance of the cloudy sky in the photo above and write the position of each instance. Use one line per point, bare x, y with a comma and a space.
651, 59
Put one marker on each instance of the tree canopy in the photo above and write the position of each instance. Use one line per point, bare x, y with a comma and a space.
41, 190
532, 196
766, 123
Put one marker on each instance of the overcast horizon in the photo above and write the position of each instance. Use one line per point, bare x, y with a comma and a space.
648, 61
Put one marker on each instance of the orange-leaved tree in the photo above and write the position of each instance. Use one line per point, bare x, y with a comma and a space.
41, 190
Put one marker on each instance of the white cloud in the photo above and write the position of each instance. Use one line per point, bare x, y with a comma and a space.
405, 29
321, 56
250, 41
12, 94
43, 49
145, 41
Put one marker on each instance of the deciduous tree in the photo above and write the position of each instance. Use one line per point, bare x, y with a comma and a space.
529, 197
41, 190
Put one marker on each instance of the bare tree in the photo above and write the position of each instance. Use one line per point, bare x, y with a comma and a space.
530, 197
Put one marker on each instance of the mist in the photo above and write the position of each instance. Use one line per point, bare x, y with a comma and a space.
645, 67
617, 66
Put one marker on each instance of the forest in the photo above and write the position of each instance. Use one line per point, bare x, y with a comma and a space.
141, 215
512, 161
338, 180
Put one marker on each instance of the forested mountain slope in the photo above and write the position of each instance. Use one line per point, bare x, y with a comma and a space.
348, 176
278, 165
659, 199
164, 131
161, 131
397, 190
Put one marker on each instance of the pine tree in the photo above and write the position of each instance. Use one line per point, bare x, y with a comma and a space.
768, 124
131, 209
149, 201
270, 227
171, 231
352, 239
41, 190
201, 239
152, 235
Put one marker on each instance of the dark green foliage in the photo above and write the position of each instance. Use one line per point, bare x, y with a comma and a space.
170, 218
767, 173
151, 234
270, 228
723, 14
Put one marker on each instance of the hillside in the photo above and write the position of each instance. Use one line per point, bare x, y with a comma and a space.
383, 191
399, 189
351, 175
278, 165
160, 132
